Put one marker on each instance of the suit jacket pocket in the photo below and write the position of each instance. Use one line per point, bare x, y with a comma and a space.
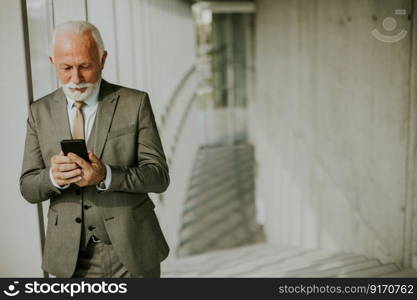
122, 131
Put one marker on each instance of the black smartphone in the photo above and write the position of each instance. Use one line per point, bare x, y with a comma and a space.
77, 147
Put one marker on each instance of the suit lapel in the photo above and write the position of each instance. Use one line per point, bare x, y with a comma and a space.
60, 116
108, 99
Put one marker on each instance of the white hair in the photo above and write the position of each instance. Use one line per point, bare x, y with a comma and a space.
79, 28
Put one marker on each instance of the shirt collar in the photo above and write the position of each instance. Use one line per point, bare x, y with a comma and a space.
90, 101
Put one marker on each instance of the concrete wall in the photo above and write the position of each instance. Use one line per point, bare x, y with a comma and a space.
331, 125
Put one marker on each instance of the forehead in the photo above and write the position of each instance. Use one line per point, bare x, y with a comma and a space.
70, 45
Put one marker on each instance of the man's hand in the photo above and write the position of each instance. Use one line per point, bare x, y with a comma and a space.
64, 170
91, 174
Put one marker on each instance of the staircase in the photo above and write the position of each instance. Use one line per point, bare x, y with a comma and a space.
219, 236
219, 211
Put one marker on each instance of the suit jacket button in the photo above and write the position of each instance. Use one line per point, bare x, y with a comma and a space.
91, 228
87, 206
78, 191
78, 220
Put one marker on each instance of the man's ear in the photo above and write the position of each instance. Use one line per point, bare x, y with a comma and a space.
103, 59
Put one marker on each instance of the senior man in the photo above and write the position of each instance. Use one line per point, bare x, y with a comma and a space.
101, 222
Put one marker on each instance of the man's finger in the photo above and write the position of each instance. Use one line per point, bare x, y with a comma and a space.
93, 157
74, 180
61, 159
67, 175
78, 160
67, 167
70, 180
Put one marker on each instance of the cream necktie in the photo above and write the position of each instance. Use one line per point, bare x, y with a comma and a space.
78, 127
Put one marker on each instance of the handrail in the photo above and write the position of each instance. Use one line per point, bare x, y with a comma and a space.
180, 127
168, 113
174, 95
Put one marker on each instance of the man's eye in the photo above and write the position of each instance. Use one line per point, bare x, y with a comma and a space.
85, 67
66, 68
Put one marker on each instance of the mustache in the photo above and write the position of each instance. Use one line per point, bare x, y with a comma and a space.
72, 85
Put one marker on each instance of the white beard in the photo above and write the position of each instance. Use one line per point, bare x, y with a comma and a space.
77, 95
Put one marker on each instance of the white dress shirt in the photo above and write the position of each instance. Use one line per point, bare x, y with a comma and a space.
89, 112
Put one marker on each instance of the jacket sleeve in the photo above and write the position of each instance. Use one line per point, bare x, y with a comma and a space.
35, 184
152, 174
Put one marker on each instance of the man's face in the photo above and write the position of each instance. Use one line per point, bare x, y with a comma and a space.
78, 64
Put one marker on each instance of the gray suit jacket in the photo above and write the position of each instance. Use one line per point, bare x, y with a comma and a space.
128, 141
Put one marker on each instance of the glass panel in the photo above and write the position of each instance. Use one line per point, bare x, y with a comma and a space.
40, 23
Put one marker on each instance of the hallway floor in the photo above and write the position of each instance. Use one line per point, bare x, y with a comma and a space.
265, 260
219, 236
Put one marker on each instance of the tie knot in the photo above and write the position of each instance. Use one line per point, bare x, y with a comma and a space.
79, 104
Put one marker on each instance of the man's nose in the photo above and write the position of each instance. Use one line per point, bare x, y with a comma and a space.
75, 76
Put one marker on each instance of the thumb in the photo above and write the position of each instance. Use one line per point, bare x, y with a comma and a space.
92, 157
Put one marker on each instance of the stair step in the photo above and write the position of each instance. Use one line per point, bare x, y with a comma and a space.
209, 161
215, 162
226, 192
216, 204
218, 181
219, 217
